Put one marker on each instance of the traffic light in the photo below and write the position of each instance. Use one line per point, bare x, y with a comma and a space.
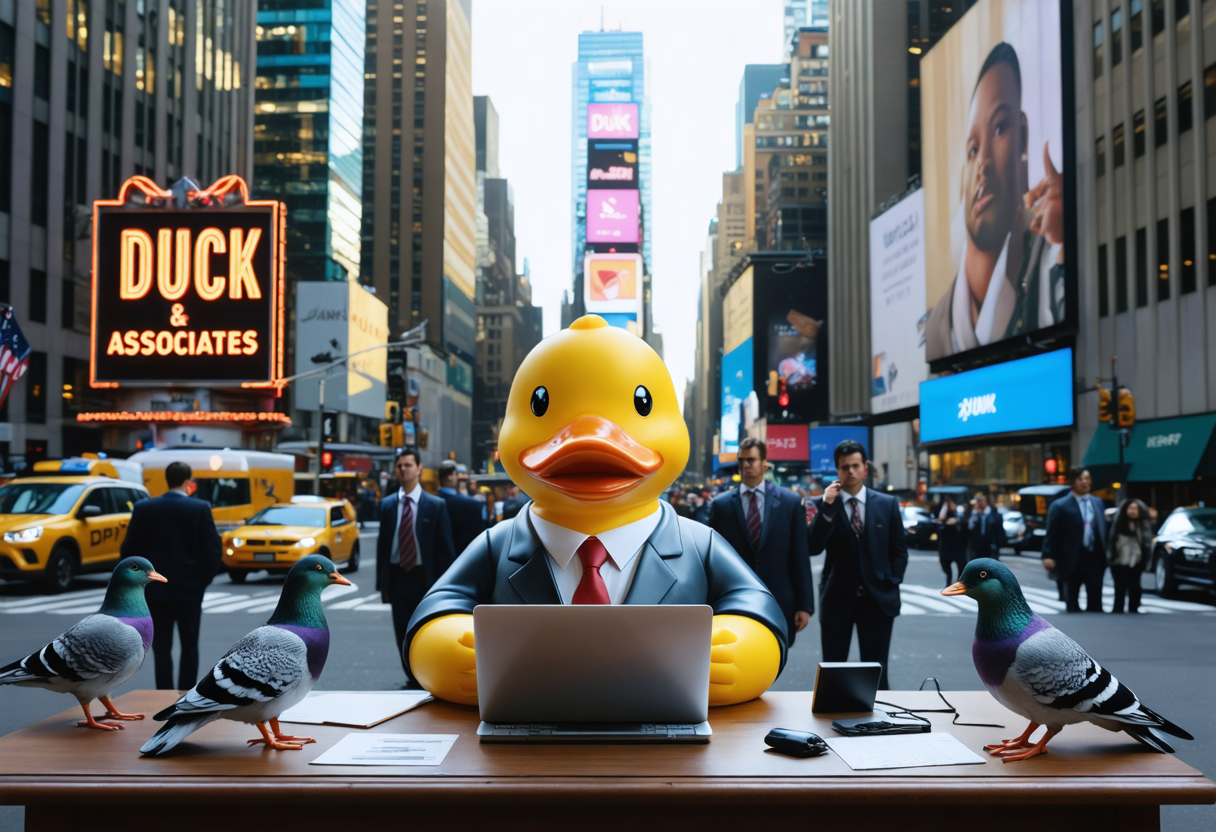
392, 411
386, 435
783, 397
1127, 408
398, 436
1105, 411
772, 382
1051, 466
327, 460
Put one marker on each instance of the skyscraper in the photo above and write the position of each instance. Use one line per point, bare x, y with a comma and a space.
610, 175
758, 82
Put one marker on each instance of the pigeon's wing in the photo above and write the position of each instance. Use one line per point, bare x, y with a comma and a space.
260, 667
98, 645
1054, 669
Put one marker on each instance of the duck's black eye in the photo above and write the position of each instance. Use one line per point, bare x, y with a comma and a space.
540, 401
642, 401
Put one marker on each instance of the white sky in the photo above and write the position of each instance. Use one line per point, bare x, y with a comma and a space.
696, 50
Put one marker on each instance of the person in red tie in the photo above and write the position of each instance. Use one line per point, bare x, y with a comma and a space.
867, 553
414, 547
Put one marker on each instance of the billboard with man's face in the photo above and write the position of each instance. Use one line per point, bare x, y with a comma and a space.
997, 168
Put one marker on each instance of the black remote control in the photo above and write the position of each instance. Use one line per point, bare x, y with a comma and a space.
795, 743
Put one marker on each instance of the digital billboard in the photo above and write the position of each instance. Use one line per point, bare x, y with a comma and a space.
611, 120
791, 308
612, 216
998, 168
187, 295
823, 446
1027, 394
612, 165
736, 385
787, 443
897, 305
613, 283
329, 312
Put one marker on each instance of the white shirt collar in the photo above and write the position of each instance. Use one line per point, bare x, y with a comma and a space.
623, 543
963, 334
413, 495
743, 489
861, 495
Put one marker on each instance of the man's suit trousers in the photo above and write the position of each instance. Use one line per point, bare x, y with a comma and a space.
405, 591
873, 634
187, 615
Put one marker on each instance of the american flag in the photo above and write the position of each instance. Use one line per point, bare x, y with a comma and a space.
14, 352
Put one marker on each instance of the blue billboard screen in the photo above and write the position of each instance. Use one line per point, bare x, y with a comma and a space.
824, 442
736, 385
1027, 394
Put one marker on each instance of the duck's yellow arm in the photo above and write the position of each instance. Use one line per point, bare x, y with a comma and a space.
744, 659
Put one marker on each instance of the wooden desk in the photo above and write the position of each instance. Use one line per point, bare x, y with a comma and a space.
73, 779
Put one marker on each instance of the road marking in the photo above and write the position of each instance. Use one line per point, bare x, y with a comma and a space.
74, 596
352, 603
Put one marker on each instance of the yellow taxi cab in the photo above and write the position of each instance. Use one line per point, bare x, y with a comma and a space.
54, 527
279, 535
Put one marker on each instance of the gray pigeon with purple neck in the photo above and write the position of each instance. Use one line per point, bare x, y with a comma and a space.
1036, 671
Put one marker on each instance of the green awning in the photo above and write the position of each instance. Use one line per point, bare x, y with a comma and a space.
1163, 450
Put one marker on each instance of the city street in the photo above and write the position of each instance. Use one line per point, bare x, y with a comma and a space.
1164, 654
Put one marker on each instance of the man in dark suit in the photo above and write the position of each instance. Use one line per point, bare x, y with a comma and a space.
766, 525
1075, 545
985, 530
463, 512
414, 547
177, 533
867, 554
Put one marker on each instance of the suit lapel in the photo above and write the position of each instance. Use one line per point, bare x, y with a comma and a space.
736, 500
533, 580
873, 522
654, 578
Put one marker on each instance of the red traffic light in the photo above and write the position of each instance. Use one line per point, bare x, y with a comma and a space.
784, 400
327, 459
1051, 466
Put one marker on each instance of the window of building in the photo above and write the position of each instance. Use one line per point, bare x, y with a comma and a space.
1182, 8
1186, 253
1161, 133
1137, 25
67, 304
4, 282
1121, 275
1158, 16
1103, 290
35, 389
1100, 156
1116, 37
42, 72
1141, 267
1138, 134
6, 152
1163, 259
1116, 139
37, 296
1184, 108
40, 174
1212, 241
1209, 92
1098, 49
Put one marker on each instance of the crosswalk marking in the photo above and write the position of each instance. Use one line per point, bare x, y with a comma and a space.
915, 600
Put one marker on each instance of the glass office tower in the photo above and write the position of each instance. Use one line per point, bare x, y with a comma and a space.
308, 130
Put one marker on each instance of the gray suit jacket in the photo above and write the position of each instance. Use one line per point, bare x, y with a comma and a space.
683, 562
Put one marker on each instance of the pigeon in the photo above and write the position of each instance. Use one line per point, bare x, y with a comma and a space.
100, 652
266, 672
1036, 671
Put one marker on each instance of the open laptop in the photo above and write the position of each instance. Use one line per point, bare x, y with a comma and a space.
593, 673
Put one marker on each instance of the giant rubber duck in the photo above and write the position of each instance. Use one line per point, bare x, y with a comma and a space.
594, 434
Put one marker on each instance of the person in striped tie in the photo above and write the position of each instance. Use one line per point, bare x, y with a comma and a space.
414, 547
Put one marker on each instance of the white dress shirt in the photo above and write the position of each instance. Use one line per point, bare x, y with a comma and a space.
848, 507
623, 544
1087, 518
747, 495
415, 496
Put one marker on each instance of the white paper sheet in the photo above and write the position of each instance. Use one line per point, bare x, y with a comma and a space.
902, 751
356, 709
388, 750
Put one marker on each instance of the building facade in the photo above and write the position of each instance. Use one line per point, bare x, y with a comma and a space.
91, 93
758, 82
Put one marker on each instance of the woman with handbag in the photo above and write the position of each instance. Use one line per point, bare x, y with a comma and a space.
1130, 546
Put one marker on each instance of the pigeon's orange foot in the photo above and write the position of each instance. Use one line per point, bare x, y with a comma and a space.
279, 735
1017, 742
113, 713
272, 742
90, 722
1013, 755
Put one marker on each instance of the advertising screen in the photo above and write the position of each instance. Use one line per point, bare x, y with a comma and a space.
613, 283
331, 312
995, 399
612, 216
998, 171
612, 121
736, 385
897, 305
824, 442
787, 443
612, 165
189, 296
791, 311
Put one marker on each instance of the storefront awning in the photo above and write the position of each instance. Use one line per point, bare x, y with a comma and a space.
1163, 450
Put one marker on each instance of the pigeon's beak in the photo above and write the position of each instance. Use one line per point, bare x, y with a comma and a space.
335, 578
955, 589
156, 576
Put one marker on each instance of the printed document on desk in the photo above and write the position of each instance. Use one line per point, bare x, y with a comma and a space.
906, 751
388, 750
354, 708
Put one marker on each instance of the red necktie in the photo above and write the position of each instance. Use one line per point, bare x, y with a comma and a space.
591, 588
754, 526
405, 536
853, 501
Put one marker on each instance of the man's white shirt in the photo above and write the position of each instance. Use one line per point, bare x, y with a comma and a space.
748, 494
848, 506
623, 543
415, 496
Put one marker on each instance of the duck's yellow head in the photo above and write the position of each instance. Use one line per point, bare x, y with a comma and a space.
593, 430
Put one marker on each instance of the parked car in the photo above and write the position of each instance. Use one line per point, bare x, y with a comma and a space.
279, 535
1183, 551
1015, 530
921, 527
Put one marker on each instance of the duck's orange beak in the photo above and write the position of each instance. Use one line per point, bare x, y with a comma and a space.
591, 458
955, 589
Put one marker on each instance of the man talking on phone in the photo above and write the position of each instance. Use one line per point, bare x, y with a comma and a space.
863, 533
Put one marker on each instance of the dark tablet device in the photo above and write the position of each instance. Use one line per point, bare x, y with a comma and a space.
845, 687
